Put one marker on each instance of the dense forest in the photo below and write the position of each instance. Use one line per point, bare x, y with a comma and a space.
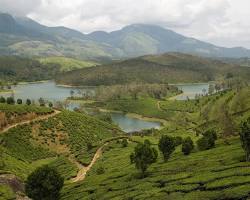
166, 68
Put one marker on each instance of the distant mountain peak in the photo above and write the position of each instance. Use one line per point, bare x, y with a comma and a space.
131, 41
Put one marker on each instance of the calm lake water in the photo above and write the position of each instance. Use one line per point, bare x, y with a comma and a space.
190, 90
51, 92
129, 124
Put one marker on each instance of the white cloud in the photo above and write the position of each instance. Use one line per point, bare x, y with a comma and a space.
224, 22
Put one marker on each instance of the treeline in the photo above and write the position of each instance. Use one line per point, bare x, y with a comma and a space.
15, 69
134, 90
144, 154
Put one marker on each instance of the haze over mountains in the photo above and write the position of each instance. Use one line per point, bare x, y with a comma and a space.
23, 36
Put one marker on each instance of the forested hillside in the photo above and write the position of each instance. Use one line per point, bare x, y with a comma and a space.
166, 68
15, 69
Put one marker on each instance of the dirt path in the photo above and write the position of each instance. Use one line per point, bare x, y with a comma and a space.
83, 171
159, 106
43, 117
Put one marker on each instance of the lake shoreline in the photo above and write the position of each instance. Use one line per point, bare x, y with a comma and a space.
136, 116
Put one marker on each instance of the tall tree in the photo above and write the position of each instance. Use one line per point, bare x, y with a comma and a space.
245, 138
166, 146
143, 156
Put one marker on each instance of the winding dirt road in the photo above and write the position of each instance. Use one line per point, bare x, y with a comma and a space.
42, 117
83, 171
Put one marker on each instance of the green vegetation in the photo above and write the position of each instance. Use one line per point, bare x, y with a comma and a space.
162, 69
15, 69
60, 141
245, 138
144, 155
23, 109
44, 183
187, 146
67, 64
207, 141
214, 174
11, 114
166, 146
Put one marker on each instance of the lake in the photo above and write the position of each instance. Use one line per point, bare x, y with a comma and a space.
130, 124
51, 92
191, 90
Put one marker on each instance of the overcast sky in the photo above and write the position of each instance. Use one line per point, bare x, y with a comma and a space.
222, 22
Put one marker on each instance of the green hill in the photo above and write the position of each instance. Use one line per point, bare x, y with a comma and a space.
208, 175
67, 64
14, 69
66, 141
166, 68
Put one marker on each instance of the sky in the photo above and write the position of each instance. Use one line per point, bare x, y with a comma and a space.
221, 22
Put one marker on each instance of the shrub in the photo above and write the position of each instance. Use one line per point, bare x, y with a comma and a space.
100, 170
177, 141
207, 141
187, 146
143, 156
245, 138
50, 104
2, 99
124, 143
19, 101
44, 183
10, 100
28, 102
166, 146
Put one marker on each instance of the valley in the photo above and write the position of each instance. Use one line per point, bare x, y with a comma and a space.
140, 112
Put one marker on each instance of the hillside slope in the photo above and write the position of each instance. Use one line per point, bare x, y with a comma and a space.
165, 68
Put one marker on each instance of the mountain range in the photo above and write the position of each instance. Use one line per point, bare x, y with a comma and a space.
26, 37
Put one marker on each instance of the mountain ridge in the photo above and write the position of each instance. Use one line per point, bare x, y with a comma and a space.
24, 36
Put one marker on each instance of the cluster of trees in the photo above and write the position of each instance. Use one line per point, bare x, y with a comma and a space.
11, 100
144, 155
134, 90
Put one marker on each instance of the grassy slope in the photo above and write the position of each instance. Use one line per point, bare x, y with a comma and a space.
67, 64
220, 176
167, 68
25, 69
59, 141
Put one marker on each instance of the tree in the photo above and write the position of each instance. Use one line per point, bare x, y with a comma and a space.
217, 87
50, 104
207, 141
41, 101
2, 99
245, 138
143, 156
44, 183
72, 92
211, 89
187, 146
19, 101
177, 141
124, 143
166, 146
10, 100
28, 102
